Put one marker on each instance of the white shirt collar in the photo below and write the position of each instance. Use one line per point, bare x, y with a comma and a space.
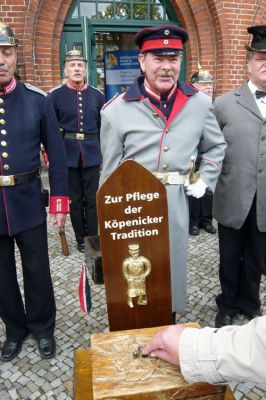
252, 87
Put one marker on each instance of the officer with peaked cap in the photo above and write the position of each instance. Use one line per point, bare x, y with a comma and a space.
200, 210
240, 197
27, 120
160, 122
77, 106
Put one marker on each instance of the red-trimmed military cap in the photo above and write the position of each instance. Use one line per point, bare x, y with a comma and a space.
74, 54
166, 39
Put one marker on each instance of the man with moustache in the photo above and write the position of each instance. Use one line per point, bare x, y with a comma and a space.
200, 210
240, 197
159, 122
27, 119
77, 106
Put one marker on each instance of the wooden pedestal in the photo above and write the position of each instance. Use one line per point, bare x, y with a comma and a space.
110, 372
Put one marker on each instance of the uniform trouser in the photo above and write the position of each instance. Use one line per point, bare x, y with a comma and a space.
38, 315
200, 210
83, 185
241, 259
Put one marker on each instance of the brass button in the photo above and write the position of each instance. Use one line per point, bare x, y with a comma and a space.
81, 123
165, 106
2, 122
2, 110
81, 111
79, 93
1, 101
81, 129
81, 117
3, 143
3, 131
166, 148
155, 115
4, 155
80, 98
165, 166
6, 167
80, 104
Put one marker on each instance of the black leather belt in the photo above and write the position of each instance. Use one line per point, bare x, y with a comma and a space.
80, 135
12, 180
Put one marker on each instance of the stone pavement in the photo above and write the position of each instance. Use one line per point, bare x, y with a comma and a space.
28, 377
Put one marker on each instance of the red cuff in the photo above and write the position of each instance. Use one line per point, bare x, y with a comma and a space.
59, 204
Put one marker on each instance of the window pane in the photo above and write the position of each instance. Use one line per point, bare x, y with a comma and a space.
140, 11
75, 13
105, 10
88, 10
157, 12
122, 11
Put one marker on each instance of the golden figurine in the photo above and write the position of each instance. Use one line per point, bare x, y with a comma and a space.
135, 270
193, 176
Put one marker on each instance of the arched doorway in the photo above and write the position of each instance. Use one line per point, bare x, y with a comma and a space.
98, 26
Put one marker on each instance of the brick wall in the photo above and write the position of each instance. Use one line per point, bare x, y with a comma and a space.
217, 31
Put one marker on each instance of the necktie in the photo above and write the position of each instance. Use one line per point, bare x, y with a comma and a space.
260, 93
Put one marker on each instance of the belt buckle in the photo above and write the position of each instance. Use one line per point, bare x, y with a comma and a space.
174, 178
165, 178
7, 180
80, 136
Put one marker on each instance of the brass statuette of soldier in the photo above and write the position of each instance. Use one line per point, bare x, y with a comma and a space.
135, 270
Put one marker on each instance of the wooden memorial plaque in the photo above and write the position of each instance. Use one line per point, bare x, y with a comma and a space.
119, 373
133, 223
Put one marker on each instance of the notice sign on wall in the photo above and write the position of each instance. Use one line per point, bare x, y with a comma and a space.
121, 69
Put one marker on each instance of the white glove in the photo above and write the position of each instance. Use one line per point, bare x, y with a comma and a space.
197, 189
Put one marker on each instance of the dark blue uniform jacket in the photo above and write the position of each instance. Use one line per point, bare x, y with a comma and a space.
27, 121
79, 111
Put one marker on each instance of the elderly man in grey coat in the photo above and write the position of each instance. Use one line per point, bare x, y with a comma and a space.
160, 123
240, 197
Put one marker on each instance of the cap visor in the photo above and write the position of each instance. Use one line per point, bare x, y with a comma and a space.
165, 52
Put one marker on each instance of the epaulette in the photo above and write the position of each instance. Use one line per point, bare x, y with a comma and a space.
34, 89
54, 88
112, 99
97, 89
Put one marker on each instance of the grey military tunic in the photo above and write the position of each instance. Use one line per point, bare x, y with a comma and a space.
132, 128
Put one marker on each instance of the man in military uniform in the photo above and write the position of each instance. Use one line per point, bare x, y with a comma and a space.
27, 119
160, 122
77, 106
200, 210
240, 198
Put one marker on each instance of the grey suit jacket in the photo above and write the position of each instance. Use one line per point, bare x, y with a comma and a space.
244, 167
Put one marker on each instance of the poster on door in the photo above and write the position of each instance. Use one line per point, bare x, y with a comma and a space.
121, 69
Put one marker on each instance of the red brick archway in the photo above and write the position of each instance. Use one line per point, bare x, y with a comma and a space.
217, 31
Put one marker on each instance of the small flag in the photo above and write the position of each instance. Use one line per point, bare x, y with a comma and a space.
84, 291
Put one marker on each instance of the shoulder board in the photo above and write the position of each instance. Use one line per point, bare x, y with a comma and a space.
112, 99
35, 89
96, 89
54, 88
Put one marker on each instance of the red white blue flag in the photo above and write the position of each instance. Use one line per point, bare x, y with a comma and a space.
84, 291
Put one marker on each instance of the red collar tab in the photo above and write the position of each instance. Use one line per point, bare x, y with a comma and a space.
162, 44
9, 87
156, 95
70, 86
